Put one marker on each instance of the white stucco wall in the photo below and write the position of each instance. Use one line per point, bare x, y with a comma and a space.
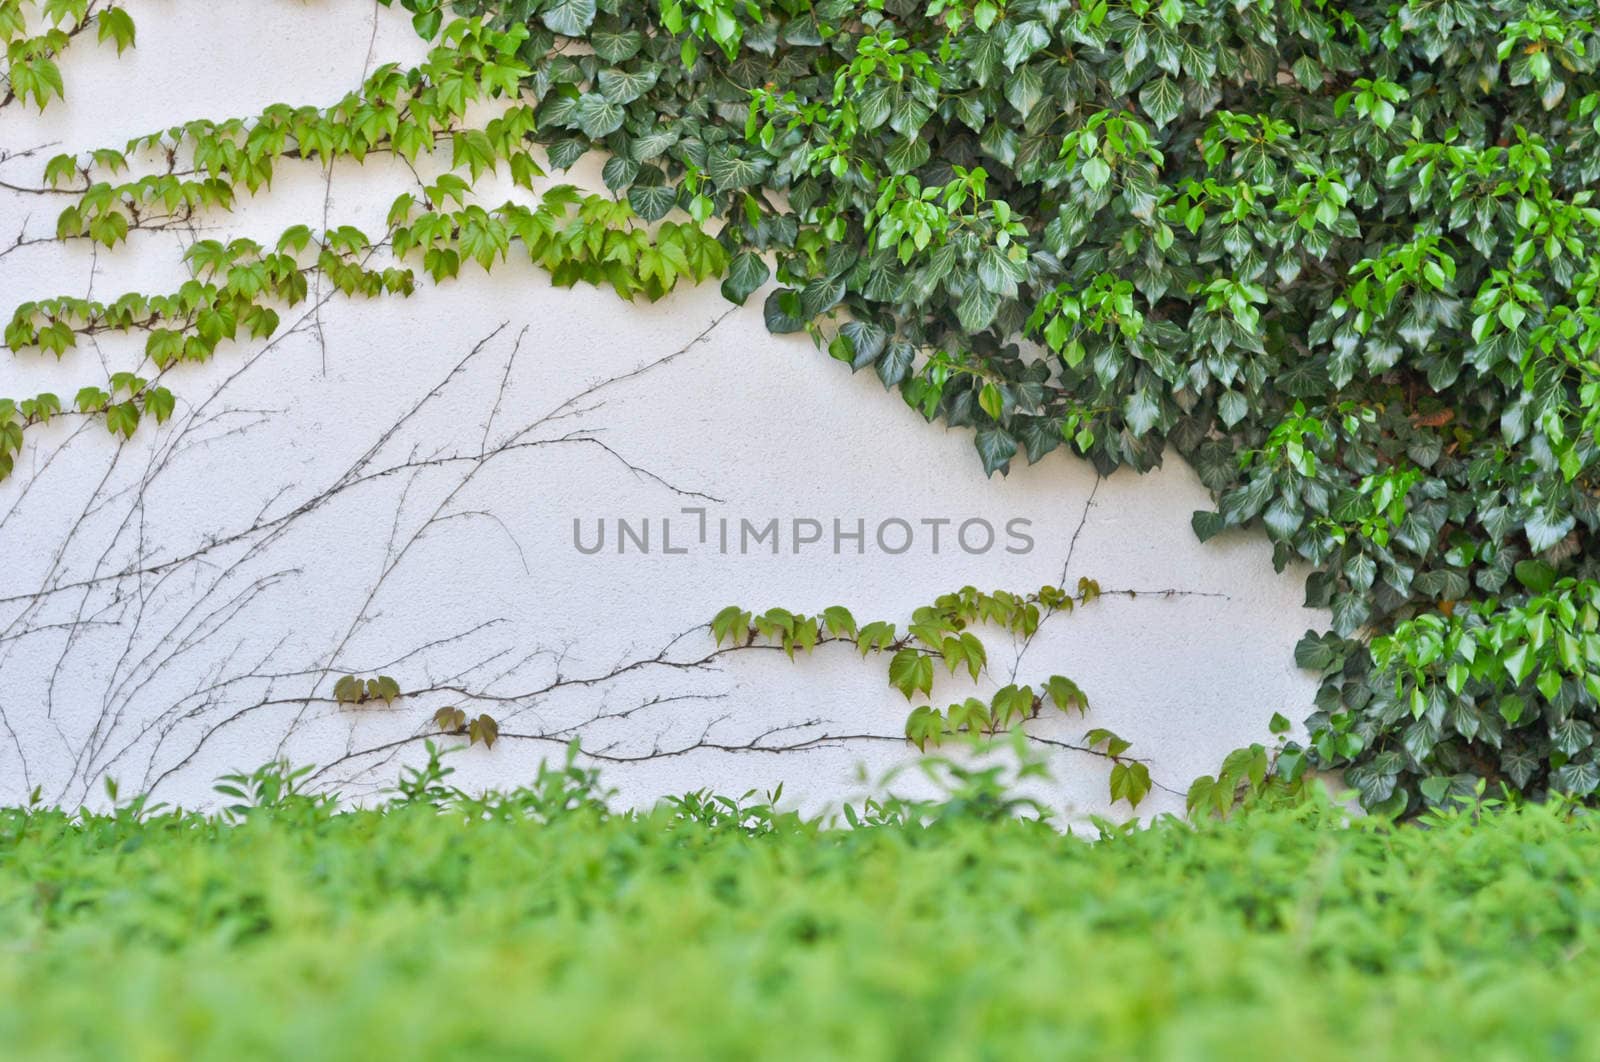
391, 487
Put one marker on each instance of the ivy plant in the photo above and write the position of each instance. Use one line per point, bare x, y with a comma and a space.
36, 32
1334, 255
1337, 256
947, 633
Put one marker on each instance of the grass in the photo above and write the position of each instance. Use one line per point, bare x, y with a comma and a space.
537, 925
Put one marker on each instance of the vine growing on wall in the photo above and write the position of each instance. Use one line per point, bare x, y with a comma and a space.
239, 286
36, 33
1336, 255
946, 632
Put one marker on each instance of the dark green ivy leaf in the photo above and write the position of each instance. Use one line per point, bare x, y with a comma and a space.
896, 363
571, 18
866, 342
1141, 410
783, 313
616, 46
1025, 88
1536, 575
1579, 777
565, 152
977, 308
907, 154
1350, 611
1161, 99
1571, 736
625, 86
1324, 653
618, 172
746, 273
996, 447
729, 170
597, 115
1207, 525
1546, 526
652, 202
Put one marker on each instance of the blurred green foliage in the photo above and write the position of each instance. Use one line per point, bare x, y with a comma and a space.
538, 924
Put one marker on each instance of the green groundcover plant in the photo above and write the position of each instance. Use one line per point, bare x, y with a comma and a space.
1339, 256
538, 924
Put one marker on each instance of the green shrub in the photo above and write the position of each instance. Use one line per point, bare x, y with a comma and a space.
535, 924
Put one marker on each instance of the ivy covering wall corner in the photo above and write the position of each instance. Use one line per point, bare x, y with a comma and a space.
1339, 256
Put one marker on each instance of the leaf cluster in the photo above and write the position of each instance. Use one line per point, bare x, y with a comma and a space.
34, 33
948, 632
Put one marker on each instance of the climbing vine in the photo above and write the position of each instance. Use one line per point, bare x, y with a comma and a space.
238, 287
946, 632
1336, 255
35, 35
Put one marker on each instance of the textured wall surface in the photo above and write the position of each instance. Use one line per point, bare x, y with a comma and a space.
392, 487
